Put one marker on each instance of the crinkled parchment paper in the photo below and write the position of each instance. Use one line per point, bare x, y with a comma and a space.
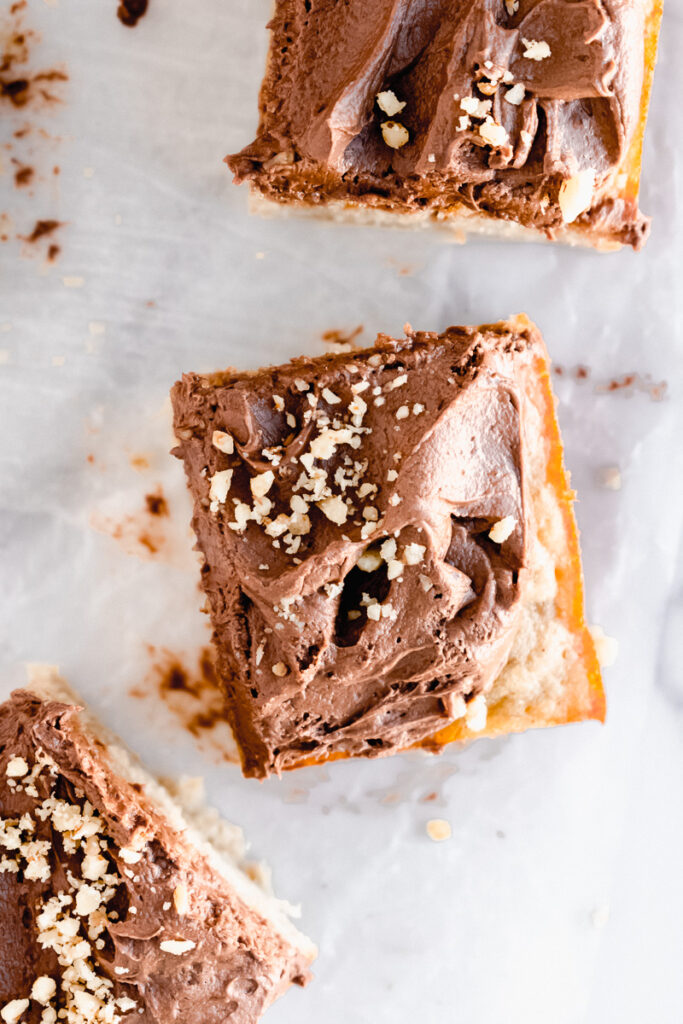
558, 898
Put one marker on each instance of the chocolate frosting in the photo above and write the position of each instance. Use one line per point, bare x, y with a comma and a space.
237, 963
416, 480
320, 132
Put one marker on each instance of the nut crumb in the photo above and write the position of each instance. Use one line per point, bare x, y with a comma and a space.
515, 95
389, 103
43, 989
536, 49
280, 669
576, 195
438, 830
395, 134
476, 714
12, 1011
503, 529
177, 946
181, 900
16, 768
223, 441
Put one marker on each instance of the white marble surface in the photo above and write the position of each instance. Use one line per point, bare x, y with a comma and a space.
559, 898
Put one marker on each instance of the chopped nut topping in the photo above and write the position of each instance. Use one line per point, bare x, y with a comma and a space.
402, 412
474, 107
12, 1011
43, 989
334, 509
501, 530
395, 134
389, 102
512, 6
576, 195
370, 560
388, 549
177, 946
476, 713
515, 95
130, 856
223, 441
413, 554
492, 133
180, 900
394, 568
280, 669
218, 489
16, 768
279, 403
536, 49
261, 484
63, 921
438, 830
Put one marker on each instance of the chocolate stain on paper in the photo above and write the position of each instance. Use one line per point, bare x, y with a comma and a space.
188, 686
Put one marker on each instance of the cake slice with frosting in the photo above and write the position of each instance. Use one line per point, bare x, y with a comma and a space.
120, 899
513, 118
390, 553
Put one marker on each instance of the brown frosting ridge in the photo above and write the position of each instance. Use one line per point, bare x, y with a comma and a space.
236, 964
319, 134
438, 460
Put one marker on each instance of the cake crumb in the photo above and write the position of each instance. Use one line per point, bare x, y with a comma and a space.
438, 830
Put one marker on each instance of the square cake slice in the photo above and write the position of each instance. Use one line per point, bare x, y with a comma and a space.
118, 903
517, 118
390, 552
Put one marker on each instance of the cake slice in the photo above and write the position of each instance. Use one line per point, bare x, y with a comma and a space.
515, 118
390, 552
116, 902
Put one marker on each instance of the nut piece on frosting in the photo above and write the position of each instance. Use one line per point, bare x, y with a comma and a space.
541, 89
138, 907
399, 587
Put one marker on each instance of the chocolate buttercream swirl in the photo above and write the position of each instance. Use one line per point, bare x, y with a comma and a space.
501, 102
394, 602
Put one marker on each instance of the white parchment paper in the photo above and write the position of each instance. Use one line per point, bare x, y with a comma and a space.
558, 899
